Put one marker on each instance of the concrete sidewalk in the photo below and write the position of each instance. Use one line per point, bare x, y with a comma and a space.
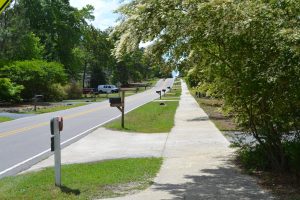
104, 144
197, 162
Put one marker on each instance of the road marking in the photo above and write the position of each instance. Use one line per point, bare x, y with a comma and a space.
23, 162
20, 130
73, 138
13, 132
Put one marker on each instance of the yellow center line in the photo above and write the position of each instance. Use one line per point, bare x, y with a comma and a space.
27, 128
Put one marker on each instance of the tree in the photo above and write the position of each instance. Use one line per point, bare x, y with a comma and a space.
247, 50
43, 29
131, 68
98, 60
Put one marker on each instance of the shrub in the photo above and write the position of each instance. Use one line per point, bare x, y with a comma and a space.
9, 91
257, 158
253, 158
55, 92
73, 91
37, 76
293, 154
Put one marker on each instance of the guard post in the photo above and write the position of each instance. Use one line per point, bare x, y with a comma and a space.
56, 125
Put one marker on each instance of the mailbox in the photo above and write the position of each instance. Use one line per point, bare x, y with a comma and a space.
115, 100
60, 123
164, 90
38, 97
56, 125
169, 87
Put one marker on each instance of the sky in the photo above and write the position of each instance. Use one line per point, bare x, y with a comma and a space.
104, 13
104, 16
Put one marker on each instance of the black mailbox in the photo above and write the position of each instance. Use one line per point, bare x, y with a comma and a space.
158, 92
164, 90
169, 87
115, 100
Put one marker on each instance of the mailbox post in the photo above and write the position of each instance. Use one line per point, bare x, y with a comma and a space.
119, 102
56, 125
36, 98
123, 108
159, 92
164, 91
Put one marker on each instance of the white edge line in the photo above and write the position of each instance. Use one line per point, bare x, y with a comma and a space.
23, 162
73, 138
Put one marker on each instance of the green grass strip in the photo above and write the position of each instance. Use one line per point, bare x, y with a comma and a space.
56, 108
5, 119
149, 118
83, 181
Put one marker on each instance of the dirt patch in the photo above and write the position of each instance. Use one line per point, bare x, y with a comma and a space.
212, 107
126, 189
284, 186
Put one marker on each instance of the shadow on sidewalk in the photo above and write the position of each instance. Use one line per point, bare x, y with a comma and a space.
204, 118
221, 183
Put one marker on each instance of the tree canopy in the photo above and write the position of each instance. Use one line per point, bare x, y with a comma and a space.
246, 52
52, 31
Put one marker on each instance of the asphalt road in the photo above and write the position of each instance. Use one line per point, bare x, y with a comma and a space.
26, 141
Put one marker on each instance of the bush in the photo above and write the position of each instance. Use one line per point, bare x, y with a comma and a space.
37, 76
257, 158
55, 92
9, 91
253, 158
293, 154
73, 91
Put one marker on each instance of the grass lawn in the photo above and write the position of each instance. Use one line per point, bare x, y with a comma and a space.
149, 118
56, 108
172, 93
5, 119
84, 181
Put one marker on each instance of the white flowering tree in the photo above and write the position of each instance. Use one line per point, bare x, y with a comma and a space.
247, 52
